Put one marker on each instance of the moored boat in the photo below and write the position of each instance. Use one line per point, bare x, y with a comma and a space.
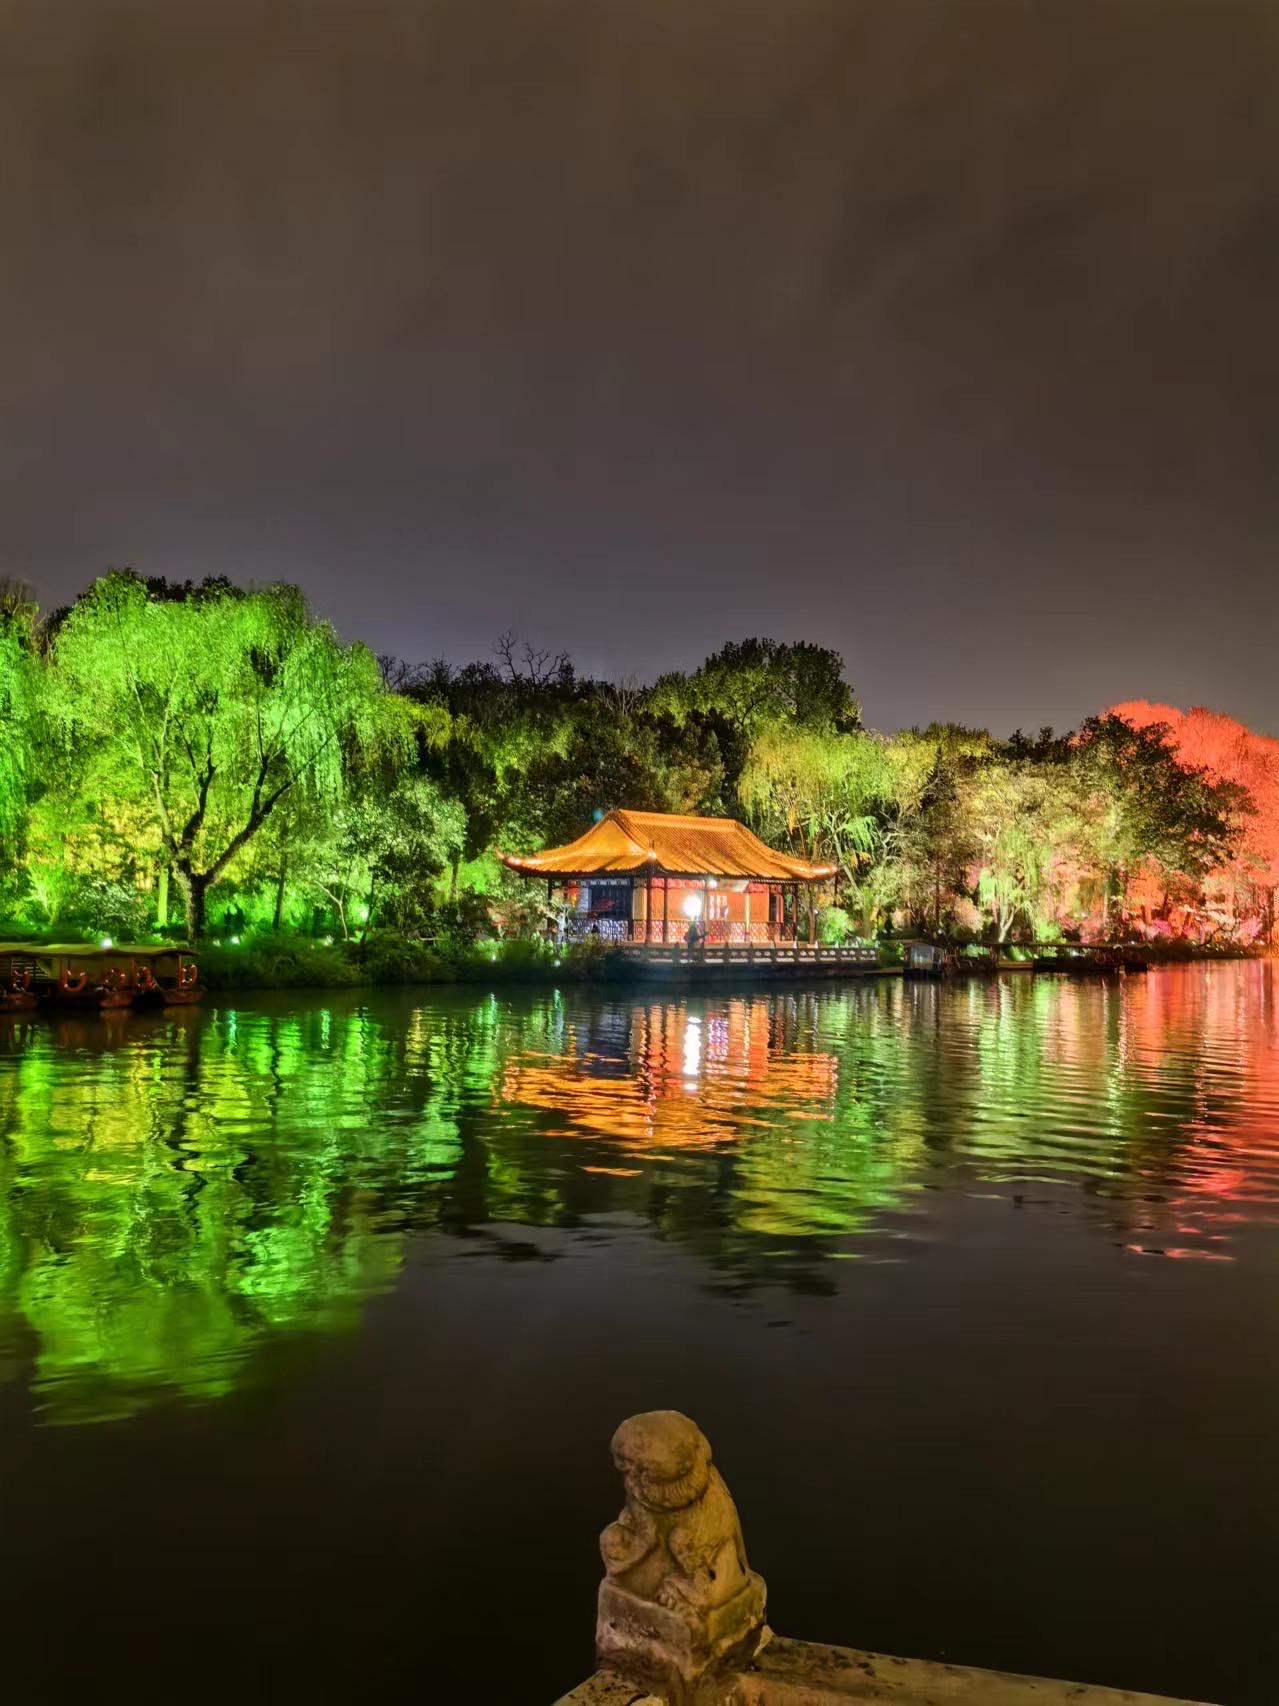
17, 975
926, 959
170, 975
79, 977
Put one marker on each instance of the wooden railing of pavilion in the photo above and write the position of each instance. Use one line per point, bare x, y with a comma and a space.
674, 931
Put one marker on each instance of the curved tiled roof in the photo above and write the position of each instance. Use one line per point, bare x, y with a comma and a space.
626, 842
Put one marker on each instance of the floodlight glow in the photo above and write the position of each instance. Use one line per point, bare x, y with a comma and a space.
692, 906
692, 1048
106, 942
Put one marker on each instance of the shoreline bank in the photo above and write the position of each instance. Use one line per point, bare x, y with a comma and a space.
514, 963
283, 963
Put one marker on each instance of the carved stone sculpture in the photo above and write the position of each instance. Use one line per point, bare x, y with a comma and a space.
679, 1608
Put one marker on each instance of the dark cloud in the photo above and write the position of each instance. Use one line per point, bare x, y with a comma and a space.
940, 332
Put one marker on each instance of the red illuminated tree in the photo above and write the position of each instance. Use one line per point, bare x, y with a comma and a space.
1231, 752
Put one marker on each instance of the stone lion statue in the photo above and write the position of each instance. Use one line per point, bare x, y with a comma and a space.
678, 1542
677, 1546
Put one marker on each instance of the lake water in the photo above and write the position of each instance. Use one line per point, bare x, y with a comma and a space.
316, 1315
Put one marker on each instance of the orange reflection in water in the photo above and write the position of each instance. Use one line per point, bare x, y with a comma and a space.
674, 1078
1212, 1043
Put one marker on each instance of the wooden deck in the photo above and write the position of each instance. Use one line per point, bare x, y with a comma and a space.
747, 960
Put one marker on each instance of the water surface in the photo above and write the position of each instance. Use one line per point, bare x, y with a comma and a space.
316, 1315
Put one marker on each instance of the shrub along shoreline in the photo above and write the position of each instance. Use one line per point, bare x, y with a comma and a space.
288, 960
384, 961
284, 964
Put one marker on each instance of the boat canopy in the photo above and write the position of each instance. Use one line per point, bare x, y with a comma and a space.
93, 950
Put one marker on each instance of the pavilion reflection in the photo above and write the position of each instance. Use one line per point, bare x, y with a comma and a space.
665, 1075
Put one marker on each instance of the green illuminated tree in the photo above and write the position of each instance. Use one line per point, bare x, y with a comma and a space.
209, 706
534, 750
819, 790
931, 845
377, 867
749, 686
17, 693
750, 683
1019, 826
856, 799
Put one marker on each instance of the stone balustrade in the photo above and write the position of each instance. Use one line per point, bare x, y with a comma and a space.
680, 1618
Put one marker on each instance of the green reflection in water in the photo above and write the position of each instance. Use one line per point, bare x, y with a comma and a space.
179, 1192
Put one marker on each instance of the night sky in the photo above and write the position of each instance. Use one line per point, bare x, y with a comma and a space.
943, 332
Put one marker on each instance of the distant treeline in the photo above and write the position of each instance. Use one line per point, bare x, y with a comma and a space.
204, 758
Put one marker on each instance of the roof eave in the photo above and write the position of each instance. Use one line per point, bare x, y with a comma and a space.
528, 868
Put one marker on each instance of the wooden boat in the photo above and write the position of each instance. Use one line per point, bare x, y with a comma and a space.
78, 977
17, 979
168, 975
82, 976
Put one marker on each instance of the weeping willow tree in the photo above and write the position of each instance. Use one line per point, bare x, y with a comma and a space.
211, 706
828, 794
1023, 821
853, 798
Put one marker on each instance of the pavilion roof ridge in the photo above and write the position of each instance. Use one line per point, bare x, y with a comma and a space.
676, 817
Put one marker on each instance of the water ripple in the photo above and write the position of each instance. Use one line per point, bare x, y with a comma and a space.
177, 1191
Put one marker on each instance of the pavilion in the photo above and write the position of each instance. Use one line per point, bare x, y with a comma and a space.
645, 876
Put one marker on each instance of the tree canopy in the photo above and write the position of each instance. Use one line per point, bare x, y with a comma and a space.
16, 688
227, 738
206, 707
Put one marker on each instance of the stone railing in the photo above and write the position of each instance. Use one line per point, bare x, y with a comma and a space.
680, 1619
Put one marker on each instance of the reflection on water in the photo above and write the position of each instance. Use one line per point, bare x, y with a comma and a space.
179, 1192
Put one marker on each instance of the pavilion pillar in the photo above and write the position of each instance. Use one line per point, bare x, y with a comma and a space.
666, 909
748, 909
648, 904
706, 909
